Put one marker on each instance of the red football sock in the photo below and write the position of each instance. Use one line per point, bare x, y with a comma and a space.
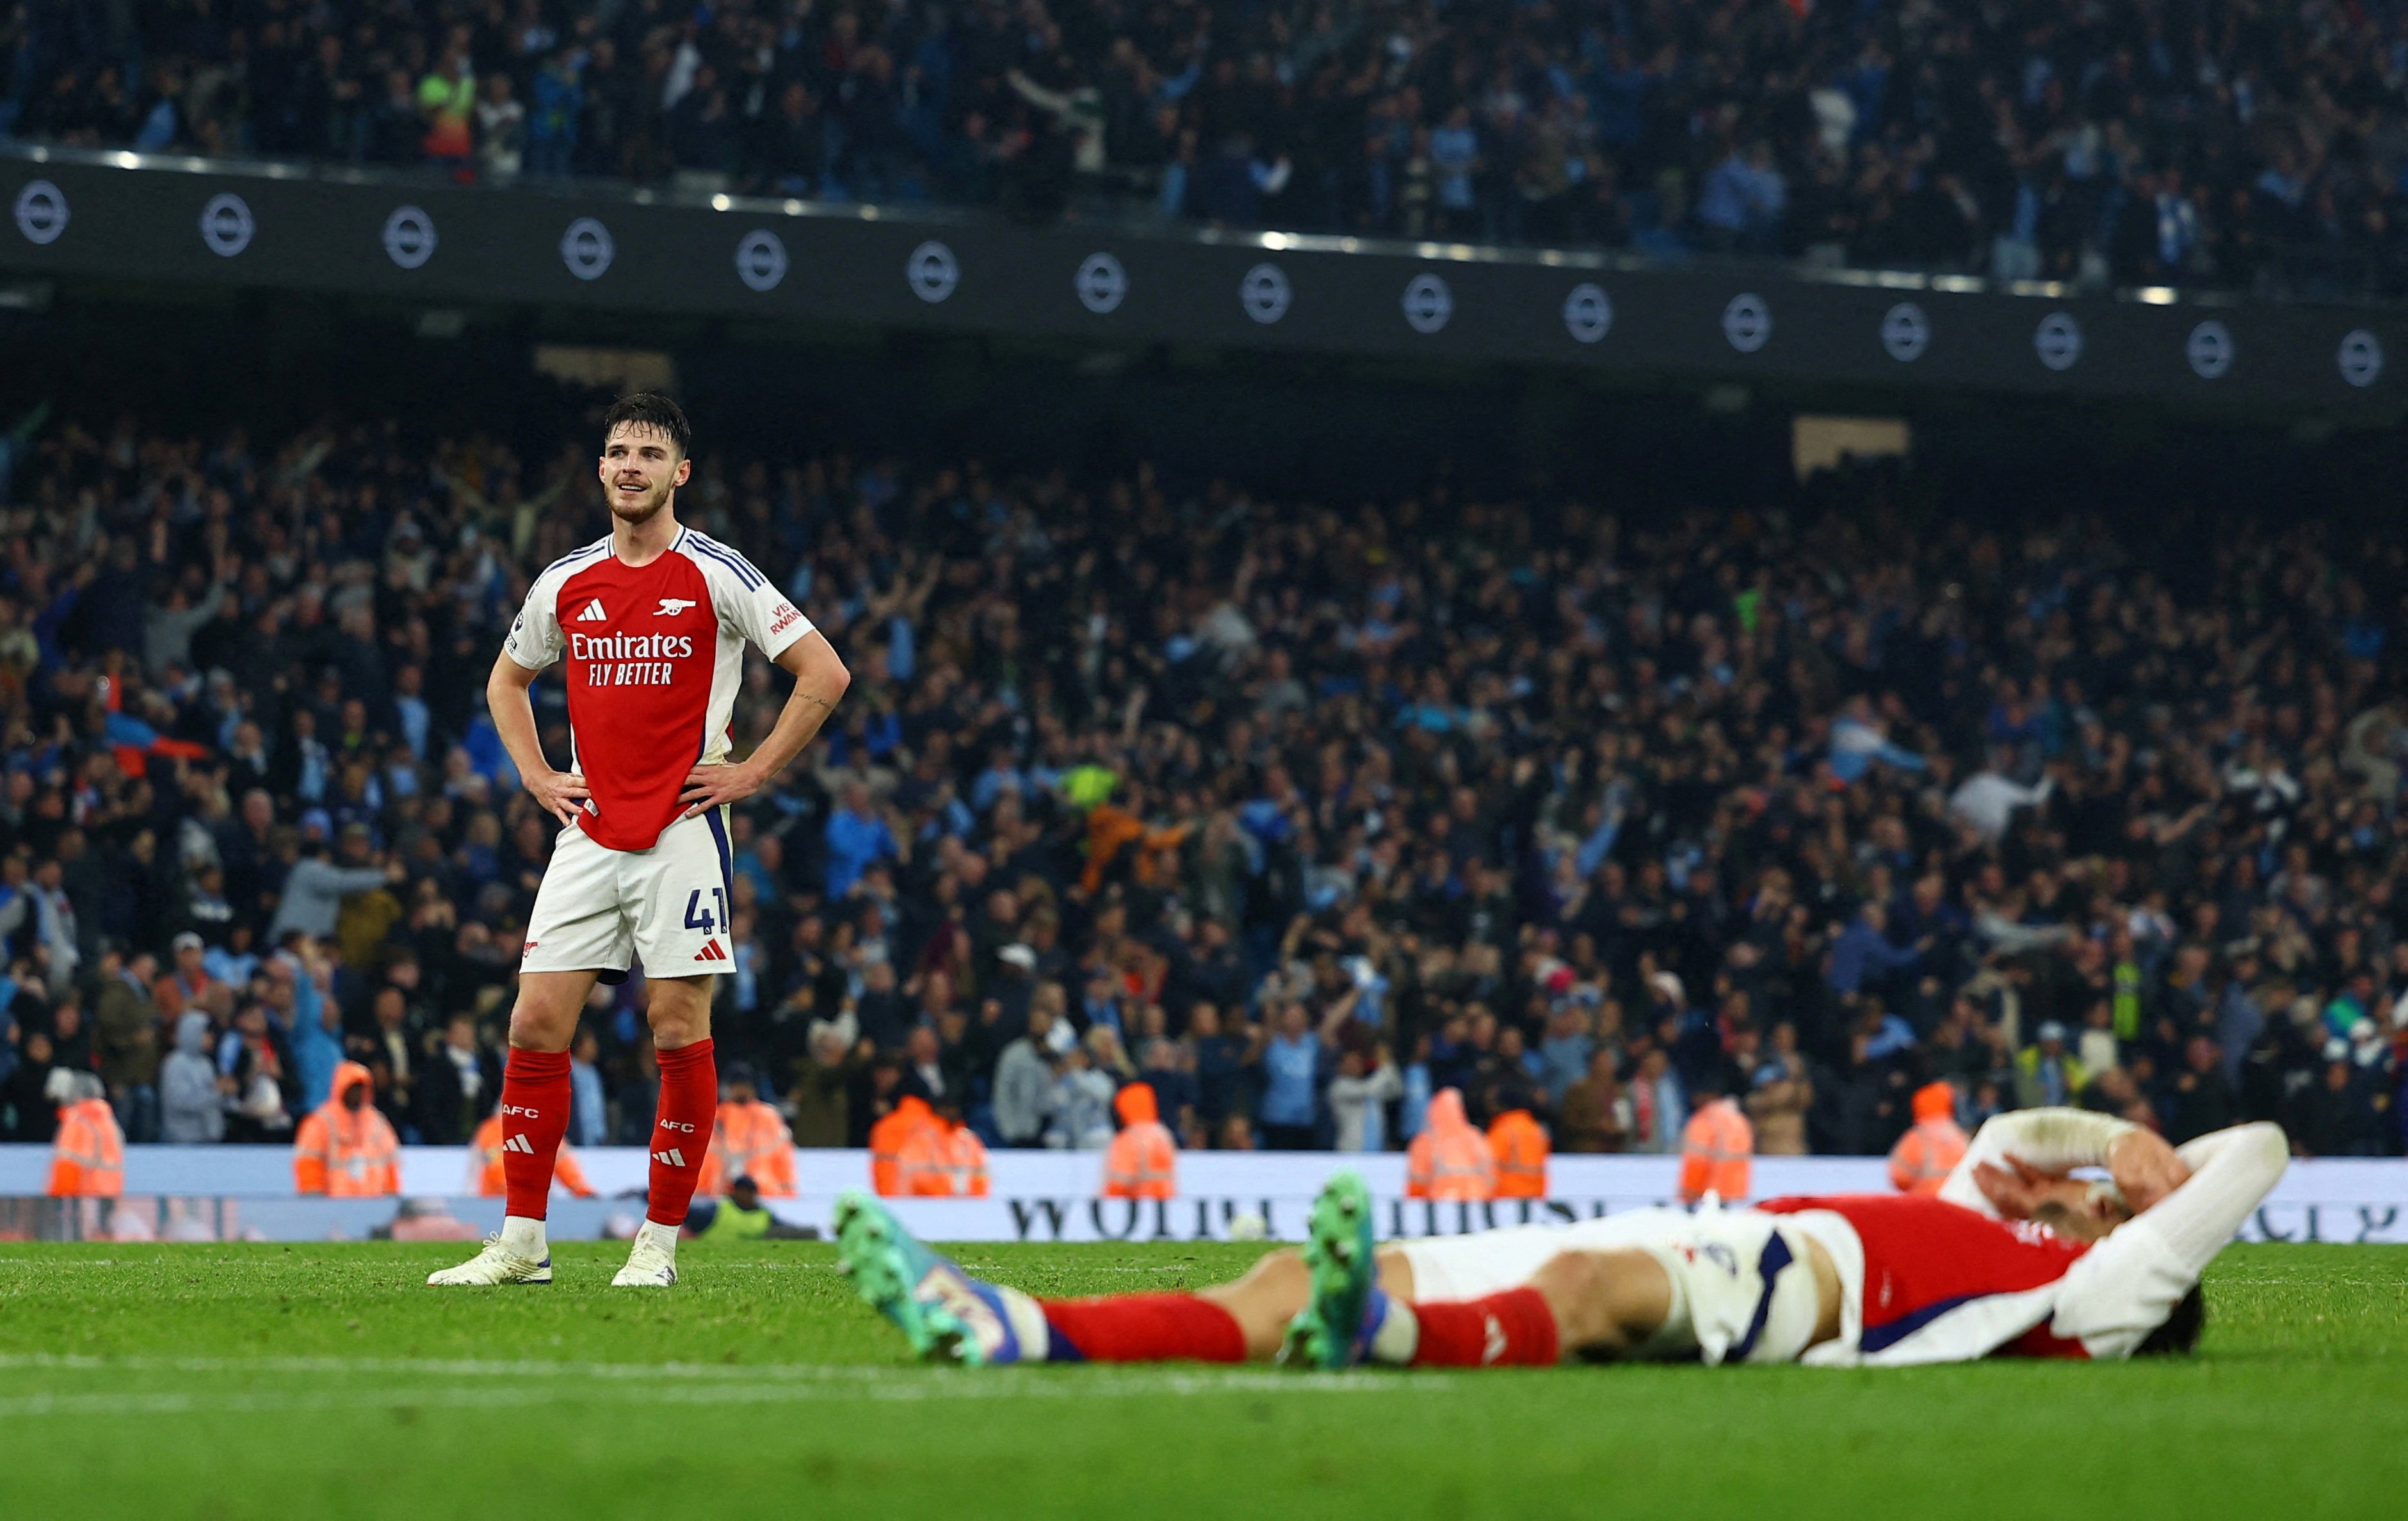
1512, 1327
1143, 1328
535, 1115
682, 1128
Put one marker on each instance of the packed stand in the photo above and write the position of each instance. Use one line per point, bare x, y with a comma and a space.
2216, 142
1298, 816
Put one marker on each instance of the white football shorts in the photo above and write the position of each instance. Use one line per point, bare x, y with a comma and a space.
1745, 1293
597, 906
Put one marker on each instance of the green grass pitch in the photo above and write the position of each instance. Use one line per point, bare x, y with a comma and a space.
326, 1382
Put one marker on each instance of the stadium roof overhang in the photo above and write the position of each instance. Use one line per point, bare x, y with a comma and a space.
604, 250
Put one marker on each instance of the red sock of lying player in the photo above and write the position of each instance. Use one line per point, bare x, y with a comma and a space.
1141, 1328
682, 1128
535, 1117
1503, 1329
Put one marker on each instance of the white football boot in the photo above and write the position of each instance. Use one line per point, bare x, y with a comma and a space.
653, 1262
496, 1264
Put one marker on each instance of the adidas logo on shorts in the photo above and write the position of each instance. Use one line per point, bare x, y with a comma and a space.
593, 614
711, 951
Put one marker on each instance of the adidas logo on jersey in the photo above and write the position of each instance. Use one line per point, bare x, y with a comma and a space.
711, 951
593, 614
672, 1157
520, 1146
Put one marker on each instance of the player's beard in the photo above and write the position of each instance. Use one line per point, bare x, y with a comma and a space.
643, 509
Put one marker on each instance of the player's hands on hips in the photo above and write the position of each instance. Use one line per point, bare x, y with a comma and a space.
715, 787
562, 794
2145, 1168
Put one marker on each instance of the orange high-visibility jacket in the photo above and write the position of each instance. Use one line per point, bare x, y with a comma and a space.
1143, 1160
886, 1139
88, 1155
749, 1140
943, 1161
490, 1179
346, 1153
1519, 1143
1925, 1156
1450, 1160
1715, 1146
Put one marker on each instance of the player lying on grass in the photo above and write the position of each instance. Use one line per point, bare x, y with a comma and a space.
2014, 1255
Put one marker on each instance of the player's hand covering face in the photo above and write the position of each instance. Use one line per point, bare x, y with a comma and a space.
641, 467
2020, 1191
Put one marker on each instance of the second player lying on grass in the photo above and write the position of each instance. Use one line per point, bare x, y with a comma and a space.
2014, 1255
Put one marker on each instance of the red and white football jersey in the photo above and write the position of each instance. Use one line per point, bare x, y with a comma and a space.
1942, 1281
653, 655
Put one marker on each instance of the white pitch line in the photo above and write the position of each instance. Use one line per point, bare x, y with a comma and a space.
691, 1383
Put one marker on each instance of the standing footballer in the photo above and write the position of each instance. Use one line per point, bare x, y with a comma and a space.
651, 622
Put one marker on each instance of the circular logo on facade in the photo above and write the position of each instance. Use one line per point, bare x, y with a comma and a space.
1747, 322
226, 226
2361, 358
1905, 332
932, 271
408, 236
1265, 294
586, 249
41, 212
2058, 340
1102, 283
1427, 302
1588, 312
761, 260
2210, 349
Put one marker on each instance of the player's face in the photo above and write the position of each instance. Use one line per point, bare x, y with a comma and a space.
640, 470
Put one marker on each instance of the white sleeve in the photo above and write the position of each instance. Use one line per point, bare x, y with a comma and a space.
534, 639
748, 602
2051, 1140
2125, 1288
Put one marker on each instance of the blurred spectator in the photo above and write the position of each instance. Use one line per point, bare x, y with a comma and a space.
193, 1095
1595, 1114
1359, 1096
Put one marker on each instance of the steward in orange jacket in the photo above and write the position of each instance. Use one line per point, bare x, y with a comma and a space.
1926, 1155
1715, 1148
346, 1149
487, 1145
88, 1153
909, 1115
750, 1139
944, 1158
1143, 1160
1450, 1158
1519, 1143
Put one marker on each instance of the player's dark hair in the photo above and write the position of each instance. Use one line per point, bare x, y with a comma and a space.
2179, 1335
651, 410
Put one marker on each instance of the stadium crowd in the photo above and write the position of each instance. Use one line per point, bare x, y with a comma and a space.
2196, 142
1301, 816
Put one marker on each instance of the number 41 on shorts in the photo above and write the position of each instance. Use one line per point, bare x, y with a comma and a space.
699, 915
